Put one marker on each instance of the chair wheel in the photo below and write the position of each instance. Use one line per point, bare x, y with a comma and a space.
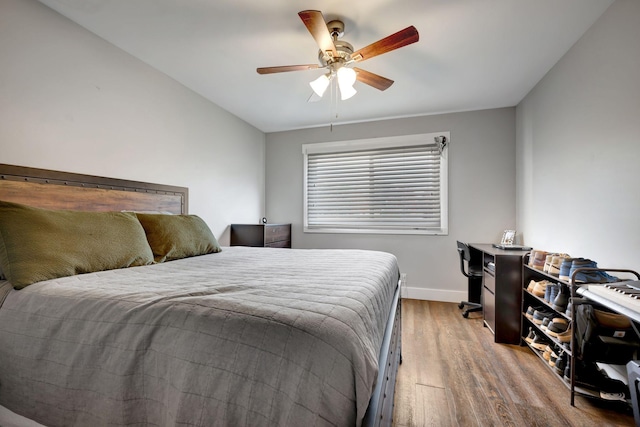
460, 305
465, 314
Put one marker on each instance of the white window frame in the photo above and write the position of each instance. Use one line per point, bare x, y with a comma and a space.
381, 143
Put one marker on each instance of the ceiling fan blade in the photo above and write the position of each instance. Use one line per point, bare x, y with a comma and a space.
394, 41
285, 68
374, 80
314, 21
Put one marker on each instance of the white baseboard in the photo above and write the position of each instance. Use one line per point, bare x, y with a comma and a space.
434, 294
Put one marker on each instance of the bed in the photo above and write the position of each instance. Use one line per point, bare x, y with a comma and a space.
227, 336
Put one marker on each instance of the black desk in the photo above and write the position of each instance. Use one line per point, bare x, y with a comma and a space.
501, 290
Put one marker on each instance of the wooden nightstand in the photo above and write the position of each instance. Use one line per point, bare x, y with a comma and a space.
261, 235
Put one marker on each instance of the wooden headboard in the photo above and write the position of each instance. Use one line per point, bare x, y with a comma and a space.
62, 190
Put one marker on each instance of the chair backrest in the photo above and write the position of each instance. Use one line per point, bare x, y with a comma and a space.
464, 251
465, 255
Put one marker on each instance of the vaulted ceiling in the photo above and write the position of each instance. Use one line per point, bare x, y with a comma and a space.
471, 54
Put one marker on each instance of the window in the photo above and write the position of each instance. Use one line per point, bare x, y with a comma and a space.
384, 185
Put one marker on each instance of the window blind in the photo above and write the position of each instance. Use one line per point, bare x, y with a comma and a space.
396, 188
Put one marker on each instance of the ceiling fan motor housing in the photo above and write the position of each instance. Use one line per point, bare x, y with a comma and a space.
344, 49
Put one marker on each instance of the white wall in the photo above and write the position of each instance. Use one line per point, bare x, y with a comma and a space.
481, 193
70, 101
578, 147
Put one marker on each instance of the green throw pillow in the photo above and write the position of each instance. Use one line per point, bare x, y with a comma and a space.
174, 237
41, 244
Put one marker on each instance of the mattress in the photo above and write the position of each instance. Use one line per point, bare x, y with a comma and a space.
247, 336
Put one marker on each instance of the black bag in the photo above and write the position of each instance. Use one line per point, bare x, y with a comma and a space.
604, 337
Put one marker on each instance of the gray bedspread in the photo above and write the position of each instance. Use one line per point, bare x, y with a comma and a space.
245, 337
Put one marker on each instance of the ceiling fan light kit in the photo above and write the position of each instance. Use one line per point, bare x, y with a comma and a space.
338, 56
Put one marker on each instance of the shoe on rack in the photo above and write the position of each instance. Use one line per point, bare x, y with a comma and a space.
547, 261
553, 359
530, 311
561, 363
536, 254
546, 355
565, 337
553, 293
532, 284
565, 269
539, 343
590, 276
557, 326
550, 291
556, 262
545, 323
529, 338
540, 288
561, 301
537, 259
540, 315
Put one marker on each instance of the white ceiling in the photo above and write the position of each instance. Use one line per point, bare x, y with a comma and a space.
471, 55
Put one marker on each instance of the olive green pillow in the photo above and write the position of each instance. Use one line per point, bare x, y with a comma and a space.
174, 237
41, 244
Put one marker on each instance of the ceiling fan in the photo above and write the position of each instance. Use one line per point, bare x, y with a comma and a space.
338, 56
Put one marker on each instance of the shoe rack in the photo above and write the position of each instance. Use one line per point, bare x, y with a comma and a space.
529, 299
577, 296
580, 294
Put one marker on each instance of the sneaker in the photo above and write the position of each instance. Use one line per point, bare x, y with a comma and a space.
537, 259
532, 256
539, 288
545, 323
539, 343
553, 292
561, 363
530, 337
557, 326
589, 276
568, 310
547, 261
565, 337
540, 315
532, 284
530, 311
547, 291
561, 301
556, 262
612, 396
565, 269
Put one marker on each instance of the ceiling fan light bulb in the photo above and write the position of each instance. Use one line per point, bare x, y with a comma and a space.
346, 76
320, 85
346, 92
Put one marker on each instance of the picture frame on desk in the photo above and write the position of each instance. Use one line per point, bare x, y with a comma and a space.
508, 237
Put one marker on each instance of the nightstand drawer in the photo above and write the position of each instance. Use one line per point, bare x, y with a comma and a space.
279, 244
276, 233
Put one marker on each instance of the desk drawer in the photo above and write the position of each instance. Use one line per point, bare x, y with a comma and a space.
489, 281
489, 309
276, 233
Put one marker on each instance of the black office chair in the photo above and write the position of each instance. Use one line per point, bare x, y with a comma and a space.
474, 275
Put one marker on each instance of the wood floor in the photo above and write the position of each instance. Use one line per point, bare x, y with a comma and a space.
453, 374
